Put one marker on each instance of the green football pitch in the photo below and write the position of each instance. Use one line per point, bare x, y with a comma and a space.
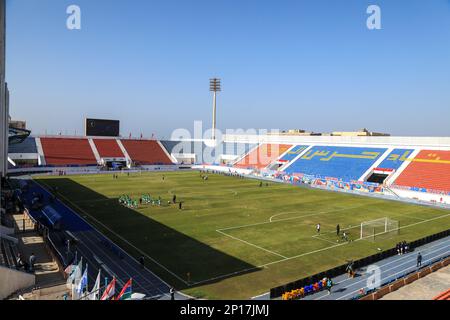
234, 239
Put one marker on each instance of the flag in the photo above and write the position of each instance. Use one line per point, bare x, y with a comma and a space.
110, 290
76, 279
83, 283
70, 268
126, 291
95, 293
75, 275
71, 277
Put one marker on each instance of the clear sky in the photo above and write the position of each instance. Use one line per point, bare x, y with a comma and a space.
284, 64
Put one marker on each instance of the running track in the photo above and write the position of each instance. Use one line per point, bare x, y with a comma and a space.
392, 268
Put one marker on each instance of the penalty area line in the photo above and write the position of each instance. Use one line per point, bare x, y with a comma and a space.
317, 237
311, 214
306, 253
251, 244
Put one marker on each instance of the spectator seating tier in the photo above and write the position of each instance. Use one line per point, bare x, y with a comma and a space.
262, 156
430, 169
146, 152
108, 148
67, 151
27, 146
345, 163
396, 158
293, 153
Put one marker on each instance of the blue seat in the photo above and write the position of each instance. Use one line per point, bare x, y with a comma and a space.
396, 158
344, 163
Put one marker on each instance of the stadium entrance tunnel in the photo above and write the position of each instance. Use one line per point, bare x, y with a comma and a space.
181, 259
378, 178
275, 165
116, 165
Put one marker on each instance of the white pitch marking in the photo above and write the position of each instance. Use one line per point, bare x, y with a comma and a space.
309, 253
312, 214
251, 244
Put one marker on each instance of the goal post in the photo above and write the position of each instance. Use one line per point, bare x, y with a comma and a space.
383, 226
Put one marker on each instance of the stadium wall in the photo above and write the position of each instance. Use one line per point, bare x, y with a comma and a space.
12, 281
422, 196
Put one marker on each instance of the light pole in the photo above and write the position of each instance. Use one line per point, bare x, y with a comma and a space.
214, 86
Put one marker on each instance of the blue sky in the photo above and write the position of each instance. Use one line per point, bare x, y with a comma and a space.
284, 64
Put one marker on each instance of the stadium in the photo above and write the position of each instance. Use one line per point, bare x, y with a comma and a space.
246, 215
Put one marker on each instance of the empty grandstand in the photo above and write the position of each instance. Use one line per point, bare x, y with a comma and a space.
429, 171
146, 152
67, 151
110, 153
262, 156
345, 163
409, 171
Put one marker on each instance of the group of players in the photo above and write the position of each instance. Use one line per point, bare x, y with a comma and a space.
342, 235
127, 201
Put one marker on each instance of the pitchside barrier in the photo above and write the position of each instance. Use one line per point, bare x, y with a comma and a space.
332, 273
404, 279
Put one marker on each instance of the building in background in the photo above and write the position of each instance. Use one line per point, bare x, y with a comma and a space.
360, 133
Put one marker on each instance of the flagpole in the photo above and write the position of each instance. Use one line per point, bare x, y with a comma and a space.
86, 289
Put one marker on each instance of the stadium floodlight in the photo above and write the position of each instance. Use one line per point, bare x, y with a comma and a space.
374, 228
214, 86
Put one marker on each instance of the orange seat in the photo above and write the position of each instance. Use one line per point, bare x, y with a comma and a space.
262, 156
429, 170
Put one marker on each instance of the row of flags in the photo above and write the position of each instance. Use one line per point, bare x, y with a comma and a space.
77, 282
142, 136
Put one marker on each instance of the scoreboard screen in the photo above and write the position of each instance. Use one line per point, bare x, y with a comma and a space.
102, 128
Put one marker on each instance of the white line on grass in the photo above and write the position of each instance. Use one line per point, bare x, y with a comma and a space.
312, 214
338, 245
251, 244
126, 241
287, 219
250, 225
312, 252
317, 237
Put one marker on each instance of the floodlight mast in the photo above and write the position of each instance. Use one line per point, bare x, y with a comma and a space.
214, 86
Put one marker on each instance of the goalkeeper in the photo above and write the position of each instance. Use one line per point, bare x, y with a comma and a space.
345, 236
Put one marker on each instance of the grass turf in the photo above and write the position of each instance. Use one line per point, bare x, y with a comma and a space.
234, 239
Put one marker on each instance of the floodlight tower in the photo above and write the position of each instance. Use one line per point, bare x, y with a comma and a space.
214, 86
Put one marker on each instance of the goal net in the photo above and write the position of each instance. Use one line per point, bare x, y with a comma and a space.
379, 227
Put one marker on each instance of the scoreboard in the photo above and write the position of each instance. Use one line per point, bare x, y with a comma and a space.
102, 128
